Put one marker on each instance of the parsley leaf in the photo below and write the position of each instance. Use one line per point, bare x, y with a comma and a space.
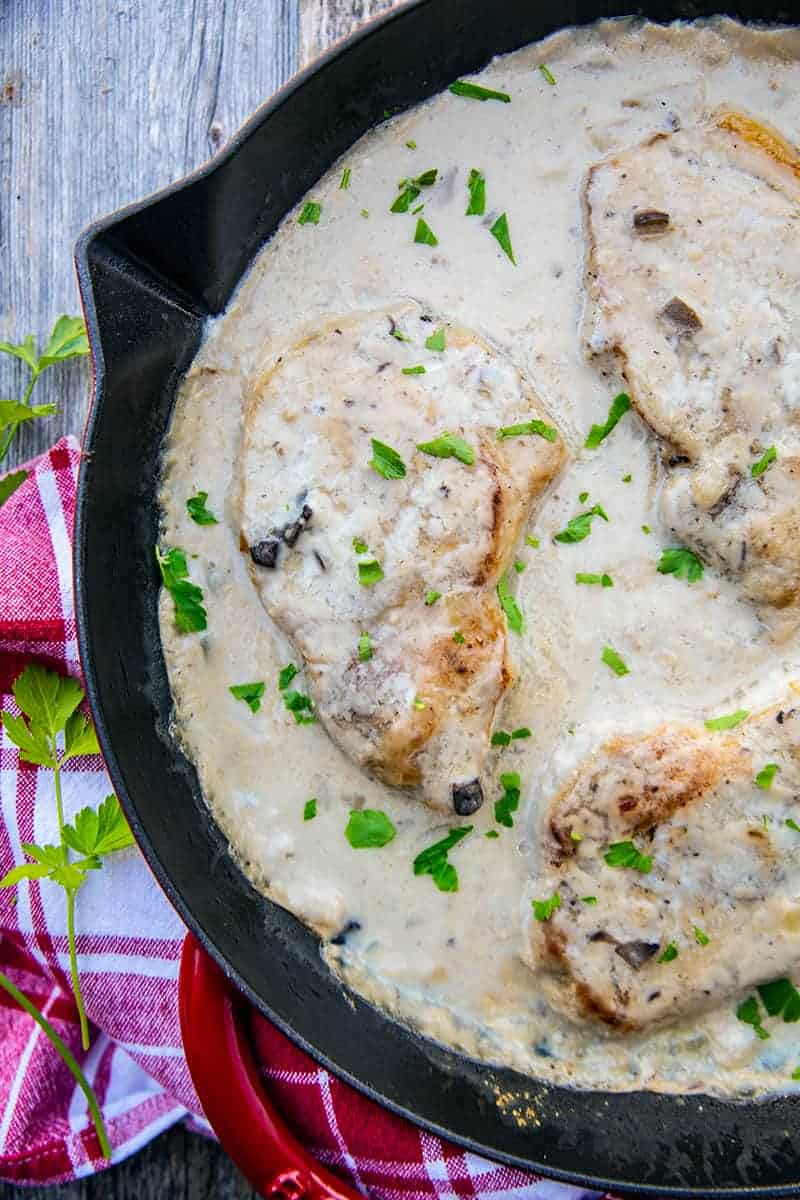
781, 996
344, 183
47, 699
767, 458
501, 738
67, 340
431, 597
370, 573
10, 483
418, 370
579, 528
299, 705
196, 508
251, 693
360, 546
544, 909
459, 638
187, 597
436, 341
507, 805
310, 213
598, 433
368, 828
548, 74
424, 235
683, 564
625, 854
791, 824
589, 899
364, 648
532, 541
286, 676
310, 809
491, 833
715, 724
700, 937
96, 832
406, 198
474, 91
670, 953
449, 445
766, 775
476, 185
434, 860
386, 461
522, 732
604, 580
534, 426
513, 612
749, 1012
519, 565
613, 660
500, 233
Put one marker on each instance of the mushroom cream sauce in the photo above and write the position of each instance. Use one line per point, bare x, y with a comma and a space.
449, 963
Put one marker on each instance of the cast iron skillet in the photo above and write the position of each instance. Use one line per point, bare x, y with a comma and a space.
149, 276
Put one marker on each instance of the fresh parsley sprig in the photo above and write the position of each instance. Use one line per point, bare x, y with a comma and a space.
190, 615
49, 732
434, 860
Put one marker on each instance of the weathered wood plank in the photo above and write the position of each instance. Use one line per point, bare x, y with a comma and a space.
101, 103
323, 22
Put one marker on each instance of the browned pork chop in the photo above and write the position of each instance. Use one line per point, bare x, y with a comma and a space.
344, 558
722, 884
693, 275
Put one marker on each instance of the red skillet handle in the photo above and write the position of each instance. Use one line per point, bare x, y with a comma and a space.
225, 1074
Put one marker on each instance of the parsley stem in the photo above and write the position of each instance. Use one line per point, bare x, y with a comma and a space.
73, 966
9, 436
65, 1053
59, 801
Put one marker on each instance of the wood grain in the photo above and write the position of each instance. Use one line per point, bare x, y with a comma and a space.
101, 102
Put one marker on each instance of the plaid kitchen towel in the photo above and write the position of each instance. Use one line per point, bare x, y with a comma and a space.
129, 942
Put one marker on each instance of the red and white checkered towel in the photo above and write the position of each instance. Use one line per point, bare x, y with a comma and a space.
129, 976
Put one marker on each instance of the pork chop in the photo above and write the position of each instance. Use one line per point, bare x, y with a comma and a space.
693, 277
387, 586
715, 910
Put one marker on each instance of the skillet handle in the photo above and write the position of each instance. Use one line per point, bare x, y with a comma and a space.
225, 1074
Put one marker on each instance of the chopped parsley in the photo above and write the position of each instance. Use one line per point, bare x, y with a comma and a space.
476, 185
646, 529
501, 738
473, 91
544, 909
365, 213
795, 1072
767, 458
431, 597
670, 953
519, 565
187, 597
449, 445
386, 461
584, 496
419, 704
521, 733
433, 861
625, 854
580, 527
424, 235
410, 190
492, 833
513, 612
411, 145
426, 179
766, 775
532, 541
792, 824
309, 810
682, 563
436, 341
604, 580
300, 706
715, 724
420, 208
370, 572
344, 183
310, 213
575, 836
589, 899
613, 660
398, 335
459, 638
627, 478
360, 546
196, 508
781, 996
251, 693
598, 433
368, 828
750, 1013
535, 426
500, 233
286, 676
364, 648
507, 805
548, 74
700, 937
417, 370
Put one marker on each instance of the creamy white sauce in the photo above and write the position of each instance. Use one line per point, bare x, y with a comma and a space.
449, 963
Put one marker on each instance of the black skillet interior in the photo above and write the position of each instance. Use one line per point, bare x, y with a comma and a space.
149, 277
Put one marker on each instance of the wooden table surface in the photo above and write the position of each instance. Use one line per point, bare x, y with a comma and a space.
101, 102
